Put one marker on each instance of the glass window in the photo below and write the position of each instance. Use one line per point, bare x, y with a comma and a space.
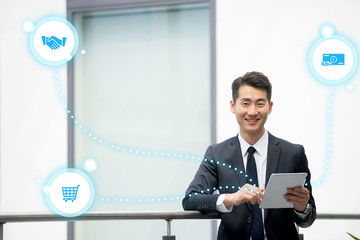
142, 100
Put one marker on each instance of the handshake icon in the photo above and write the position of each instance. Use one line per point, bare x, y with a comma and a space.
53, 42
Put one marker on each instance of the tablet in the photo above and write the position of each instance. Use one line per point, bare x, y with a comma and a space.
277, 187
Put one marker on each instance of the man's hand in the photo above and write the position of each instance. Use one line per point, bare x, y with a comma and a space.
247, 193
299, 196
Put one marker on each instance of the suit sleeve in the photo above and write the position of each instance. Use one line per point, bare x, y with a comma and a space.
305, 220
199, 195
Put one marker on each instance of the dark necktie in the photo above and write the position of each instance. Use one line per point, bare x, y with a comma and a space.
257, 229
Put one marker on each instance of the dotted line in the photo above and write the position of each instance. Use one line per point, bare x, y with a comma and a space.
329, 139
242, 172
179, 197
228, 166
108, 144
144, 153
140, 199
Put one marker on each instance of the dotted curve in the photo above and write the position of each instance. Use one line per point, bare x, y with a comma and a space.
144, 153
176, 198
329, 140
108, 144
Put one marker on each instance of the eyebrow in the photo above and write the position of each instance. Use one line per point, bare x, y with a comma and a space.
249, 100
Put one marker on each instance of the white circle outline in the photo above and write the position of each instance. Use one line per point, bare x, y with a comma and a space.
37, 55
329, 81
85, 208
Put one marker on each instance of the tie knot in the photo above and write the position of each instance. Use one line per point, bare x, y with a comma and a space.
251, 150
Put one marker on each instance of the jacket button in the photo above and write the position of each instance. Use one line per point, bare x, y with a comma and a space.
249, 221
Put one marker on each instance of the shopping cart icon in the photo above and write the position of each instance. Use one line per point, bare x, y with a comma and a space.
70, 193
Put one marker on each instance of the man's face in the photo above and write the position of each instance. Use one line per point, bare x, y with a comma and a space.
251, 110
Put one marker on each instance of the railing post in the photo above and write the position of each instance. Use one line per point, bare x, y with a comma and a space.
168, 236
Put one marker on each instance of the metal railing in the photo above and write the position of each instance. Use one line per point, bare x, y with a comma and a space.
167, 216
98, 216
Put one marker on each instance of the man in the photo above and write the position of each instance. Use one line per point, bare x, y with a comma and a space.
241, 188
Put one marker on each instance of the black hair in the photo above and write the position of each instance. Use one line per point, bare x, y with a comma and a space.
253, 79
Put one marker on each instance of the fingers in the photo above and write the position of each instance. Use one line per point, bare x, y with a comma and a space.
254, 194
253, 197
299, 196
248, 193
301, 192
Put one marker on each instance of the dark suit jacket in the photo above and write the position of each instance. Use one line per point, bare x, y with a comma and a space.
221, 167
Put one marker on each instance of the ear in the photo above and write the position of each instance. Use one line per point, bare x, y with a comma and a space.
270, 107
232, 106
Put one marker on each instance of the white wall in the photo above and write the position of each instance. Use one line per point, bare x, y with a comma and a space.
33, 122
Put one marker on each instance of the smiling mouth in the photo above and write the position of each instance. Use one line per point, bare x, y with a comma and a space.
252, 120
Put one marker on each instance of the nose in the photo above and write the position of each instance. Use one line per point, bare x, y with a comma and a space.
252, 110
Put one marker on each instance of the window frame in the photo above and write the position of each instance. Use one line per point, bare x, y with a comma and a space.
79, 6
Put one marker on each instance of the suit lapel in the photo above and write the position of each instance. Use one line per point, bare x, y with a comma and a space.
238, 163
273, 158
237, 160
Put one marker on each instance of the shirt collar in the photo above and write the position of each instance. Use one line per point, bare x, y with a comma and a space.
260, 146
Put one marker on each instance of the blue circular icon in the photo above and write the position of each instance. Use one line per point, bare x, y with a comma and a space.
54, 41
69, 192
332, 59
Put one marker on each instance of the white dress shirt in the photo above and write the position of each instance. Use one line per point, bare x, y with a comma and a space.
260, 155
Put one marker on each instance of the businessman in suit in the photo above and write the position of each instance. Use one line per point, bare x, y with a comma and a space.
232, 177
